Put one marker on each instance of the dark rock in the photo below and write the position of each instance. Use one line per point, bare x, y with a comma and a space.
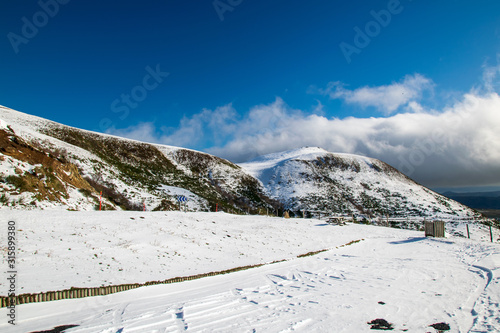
57, 329
380, 324
441, 326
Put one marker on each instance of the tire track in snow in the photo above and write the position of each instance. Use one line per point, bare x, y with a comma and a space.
483, 304
486, 309
118, 315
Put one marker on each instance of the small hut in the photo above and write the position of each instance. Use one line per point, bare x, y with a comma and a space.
434, 228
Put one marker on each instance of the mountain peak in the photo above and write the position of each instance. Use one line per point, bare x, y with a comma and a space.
302, 153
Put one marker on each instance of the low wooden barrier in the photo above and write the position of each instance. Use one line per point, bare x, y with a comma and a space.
72, 293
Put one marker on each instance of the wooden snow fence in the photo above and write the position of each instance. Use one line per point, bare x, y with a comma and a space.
101, 291
72, 293
434, 228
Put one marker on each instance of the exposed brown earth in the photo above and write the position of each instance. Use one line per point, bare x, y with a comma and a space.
51, 174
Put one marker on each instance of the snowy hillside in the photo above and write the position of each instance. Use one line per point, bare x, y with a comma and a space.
315, 180
47, 165
44, 164
397, 275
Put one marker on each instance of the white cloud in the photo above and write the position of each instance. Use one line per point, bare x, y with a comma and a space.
490, 76
145, 132
459, 146
208, 125
386, 99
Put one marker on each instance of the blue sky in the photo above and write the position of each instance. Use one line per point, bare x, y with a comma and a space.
252, 77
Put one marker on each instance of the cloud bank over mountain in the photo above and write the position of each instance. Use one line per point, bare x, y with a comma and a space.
458, 145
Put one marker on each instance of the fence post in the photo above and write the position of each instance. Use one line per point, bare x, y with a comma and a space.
468, 235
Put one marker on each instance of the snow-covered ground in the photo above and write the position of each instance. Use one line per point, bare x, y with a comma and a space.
61, 249
397, 275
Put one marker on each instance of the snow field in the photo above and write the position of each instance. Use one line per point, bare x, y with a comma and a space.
60, 249
421, 281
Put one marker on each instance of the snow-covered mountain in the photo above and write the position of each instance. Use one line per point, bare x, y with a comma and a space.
44, 164
312, 179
